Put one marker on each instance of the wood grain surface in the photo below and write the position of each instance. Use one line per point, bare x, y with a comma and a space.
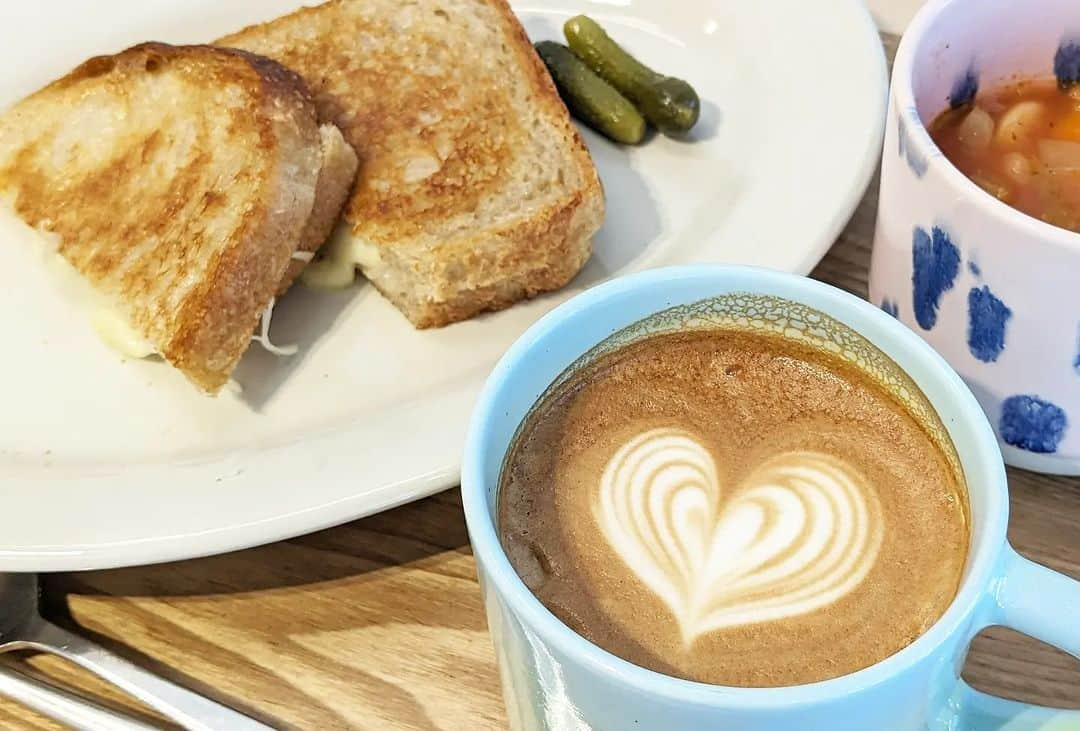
378, 624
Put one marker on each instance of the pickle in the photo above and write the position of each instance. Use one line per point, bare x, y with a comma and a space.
670, 104
591, 98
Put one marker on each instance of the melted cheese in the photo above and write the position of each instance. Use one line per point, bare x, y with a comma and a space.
108, 321
263, 336
329, 273
115, 331
336, 266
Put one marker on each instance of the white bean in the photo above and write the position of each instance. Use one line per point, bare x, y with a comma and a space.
976, 130
1018, 123
1018, 167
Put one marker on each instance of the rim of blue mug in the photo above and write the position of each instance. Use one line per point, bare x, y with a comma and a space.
903, 76
488, 549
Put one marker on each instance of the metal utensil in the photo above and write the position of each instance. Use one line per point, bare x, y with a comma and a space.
60, 705
23, 628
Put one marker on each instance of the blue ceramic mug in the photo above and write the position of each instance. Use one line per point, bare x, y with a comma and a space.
555, 679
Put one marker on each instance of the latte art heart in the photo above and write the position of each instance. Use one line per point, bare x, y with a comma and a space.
801, 532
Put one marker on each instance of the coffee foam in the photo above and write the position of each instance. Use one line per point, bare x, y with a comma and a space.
800, 533
762, 403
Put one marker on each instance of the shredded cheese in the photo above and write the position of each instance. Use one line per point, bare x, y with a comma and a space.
263, 338
304, 256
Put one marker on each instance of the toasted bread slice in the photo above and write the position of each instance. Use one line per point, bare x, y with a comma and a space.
475, 189
179, 181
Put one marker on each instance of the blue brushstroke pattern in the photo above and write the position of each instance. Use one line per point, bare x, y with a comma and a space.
935, 264
987, 317
964, 89
890, 307
974, 269
1067, 63
1031, 423
916, 163
1076, 361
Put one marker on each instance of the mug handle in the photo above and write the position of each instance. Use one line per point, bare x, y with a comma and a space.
1043, 604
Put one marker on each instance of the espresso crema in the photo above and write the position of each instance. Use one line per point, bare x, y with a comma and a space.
734, 508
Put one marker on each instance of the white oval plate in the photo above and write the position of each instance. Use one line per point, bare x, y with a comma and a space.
108, 463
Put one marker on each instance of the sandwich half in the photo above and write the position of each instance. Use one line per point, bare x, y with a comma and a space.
475, 189
180, 182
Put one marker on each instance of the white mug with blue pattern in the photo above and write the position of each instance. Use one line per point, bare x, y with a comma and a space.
995, 291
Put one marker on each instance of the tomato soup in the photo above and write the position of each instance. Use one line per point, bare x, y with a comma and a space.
1020, 142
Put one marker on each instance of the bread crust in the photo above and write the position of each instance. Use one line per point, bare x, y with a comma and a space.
541, 255
336, 177
185, 210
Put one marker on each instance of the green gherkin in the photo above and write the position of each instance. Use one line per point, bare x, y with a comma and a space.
591, 98
670, 104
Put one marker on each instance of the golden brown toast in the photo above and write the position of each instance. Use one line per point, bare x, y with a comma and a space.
475, 189
179, 181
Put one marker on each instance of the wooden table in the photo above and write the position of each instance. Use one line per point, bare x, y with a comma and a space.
378, 624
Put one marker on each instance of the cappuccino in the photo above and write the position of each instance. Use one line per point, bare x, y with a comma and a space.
734, 507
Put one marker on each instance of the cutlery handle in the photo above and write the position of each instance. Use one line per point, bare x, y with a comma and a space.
62, 706
190, 710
